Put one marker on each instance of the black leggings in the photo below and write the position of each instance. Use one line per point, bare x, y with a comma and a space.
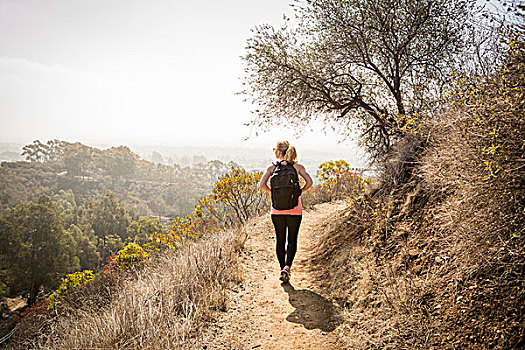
281, 222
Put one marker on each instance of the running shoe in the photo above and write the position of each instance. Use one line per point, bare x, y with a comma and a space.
285, 274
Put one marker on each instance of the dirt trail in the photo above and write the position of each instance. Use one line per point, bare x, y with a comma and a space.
264, 313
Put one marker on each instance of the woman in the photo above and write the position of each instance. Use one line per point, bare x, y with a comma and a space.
286, 220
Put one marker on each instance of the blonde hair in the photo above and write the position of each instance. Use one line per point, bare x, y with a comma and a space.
288, 152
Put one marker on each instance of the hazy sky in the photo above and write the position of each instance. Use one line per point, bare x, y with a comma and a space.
125, 71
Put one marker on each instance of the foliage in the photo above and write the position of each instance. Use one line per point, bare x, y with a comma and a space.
238, 195
120, 162
87, 252
40, 152
235, 198
183, 230
495, 129
77, 158
162, 307
69, 282
139, 231
21, 182
110, 245
477, 165
100, 227
111, 264
131, 255
340, 180
358, 62
108, 216
89, 172
36, 247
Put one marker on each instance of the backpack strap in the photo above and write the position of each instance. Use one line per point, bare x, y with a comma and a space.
280, 163
277, 164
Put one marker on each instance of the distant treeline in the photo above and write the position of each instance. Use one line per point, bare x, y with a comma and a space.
79, 172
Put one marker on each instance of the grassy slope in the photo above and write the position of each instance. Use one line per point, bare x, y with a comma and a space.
158, 307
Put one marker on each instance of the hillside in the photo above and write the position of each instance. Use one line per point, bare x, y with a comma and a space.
349, 290
430, 256
76, 172
221, 292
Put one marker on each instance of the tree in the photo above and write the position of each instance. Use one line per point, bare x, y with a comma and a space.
112, 244
119, 162
236, 196
199, 159
35, 152
140, 230
371, 63
108, 217
86, 247
36, 249
40, 152
156, 158
77, 158
339, 179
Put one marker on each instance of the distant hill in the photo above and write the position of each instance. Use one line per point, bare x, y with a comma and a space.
88, 172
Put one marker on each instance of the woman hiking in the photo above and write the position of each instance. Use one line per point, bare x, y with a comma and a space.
287, 209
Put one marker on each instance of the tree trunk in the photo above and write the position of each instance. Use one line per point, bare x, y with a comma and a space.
33, 293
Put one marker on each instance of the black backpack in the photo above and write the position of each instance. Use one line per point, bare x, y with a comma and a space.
284, 184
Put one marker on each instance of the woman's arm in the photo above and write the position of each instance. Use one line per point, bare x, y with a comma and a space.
302, 171
264, 180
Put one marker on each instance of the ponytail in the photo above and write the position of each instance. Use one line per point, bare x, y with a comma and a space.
288, 152
291, 155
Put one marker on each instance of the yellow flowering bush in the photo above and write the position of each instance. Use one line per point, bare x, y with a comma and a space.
234, 199
130, 255
339, 180
69, 282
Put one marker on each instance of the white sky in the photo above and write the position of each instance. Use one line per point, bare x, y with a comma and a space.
128, 71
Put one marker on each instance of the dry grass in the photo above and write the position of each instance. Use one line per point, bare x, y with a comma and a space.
157, 307
315, 195
434, 257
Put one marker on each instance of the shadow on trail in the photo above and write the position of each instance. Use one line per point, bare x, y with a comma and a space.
311, 310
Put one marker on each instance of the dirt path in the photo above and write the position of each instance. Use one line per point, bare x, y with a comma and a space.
266, 314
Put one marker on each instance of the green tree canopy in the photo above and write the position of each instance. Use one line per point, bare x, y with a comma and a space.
36, 249
86, 247
120, 162
139, 231
108, 217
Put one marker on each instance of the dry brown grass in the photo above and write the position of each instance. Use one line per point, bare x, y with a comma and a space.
315, 195
157, 307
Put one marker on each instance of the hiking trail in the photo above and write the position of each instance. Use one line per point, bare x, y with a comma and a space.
264, 313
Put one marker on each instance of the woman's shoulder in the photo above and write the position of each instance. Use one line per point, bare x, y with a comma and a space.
271, 168
298, 166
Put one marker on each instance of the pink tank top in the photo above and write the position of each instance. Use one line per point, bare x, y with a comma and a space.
298, 210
